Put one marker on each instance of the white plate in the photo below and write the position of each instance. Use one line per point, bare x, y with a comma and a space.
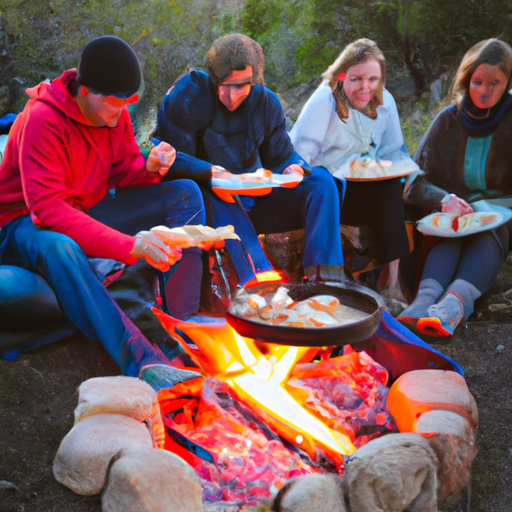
380, 178
427, 226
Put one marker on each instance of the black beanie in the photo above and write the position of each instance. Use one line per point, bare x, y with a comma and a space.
109, 65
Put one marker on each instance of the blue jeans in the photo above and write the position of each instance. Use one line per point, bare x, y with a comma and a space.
170, 204
66, 268
314, 205
476, 258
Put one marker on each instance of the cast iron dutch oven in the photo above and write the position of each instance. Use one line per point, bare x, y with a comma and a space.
350, 295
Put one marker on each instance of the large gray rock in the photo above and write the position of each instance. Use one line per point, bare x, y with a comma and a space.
311, 493
446, 422
151, 480
455, 456
127, 396
83, 456
438, 405
393, 473
438, 395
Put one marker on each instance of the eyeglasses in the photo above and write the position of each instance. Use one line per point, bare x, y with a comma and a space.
117, 100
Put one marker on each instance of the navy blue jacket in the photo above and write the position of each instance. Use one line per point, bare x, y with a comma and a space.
205, 132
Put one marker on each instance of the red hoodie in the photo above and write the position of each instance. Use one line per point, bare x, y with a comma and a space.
56, 167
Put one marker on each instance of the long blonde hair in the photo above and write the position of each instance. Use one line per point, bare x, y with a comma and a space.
353, 54
490, 51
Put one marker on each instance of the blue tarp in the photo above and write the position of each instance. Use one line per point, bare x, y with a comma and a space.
400, 351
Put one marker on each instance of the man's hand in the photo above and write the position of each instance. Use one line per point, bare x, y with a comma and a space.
453, 204
219, 173
161, 158
294, 169
153, 249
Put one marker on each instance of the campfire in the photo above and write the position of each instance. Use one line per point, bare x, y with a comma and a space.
264, 416
231, 421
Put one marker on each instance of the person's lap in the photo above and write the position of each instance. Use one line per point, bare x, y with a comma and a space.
172, 204
79, 292
314, 205
377, 205
461, 258
131, 210
24, 244
286, 209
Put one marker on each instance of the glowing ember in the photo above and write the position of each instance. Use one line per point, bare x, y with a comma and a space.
258, 380
347, 393
231, 425
239, 459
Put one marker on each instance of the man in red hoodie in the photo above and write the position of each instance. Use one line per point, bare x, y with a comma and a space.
70, 145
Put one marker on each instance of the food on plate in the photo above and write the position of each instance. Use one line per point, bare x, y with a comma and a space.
280, 309
451, 224
195, 236
260, 175
480, 219
368, 168
446, 221
258, 178
258, 183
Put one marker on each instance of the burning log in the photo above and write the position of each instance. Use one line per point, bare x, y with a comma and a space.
258, 379
149, 479
236, 455
348, 393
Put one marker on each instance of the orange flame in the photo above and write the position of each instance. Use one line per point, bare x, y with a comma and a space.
258, 379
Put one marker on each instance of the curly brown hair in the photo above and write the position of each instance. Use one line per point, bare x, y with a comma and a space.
353, 54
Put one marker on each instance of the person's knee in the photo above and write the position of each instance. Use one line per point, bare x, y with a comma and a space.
188, 196
320, 172
321, 184
183, 188
63, 249
25, 296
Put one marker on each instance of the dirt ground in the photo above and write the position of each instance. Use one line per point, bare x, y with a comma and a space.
38, 396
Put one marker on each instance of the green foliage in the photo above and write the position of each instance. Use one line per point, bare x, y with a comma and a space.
415, 127
259, 19
300, 38
43, 38
315, 54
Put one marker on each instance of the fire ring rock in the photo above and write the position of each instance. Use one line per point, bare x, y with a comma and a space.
433, 401
144, 479
315, 492
392, 473
83, 456
127, 396
438, 405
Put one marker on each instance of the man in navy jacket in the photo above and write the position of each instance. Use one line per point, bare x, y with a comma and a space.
226, 122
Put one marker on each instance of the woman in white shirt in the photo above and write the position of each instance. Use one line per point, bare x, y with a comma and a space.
350, 126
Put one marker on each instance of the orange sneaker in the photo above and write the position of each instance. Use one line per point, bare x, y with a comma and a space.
432, 326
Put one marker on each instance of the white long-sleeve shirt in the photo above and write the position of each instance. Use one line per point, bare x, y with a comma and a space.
322, 139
